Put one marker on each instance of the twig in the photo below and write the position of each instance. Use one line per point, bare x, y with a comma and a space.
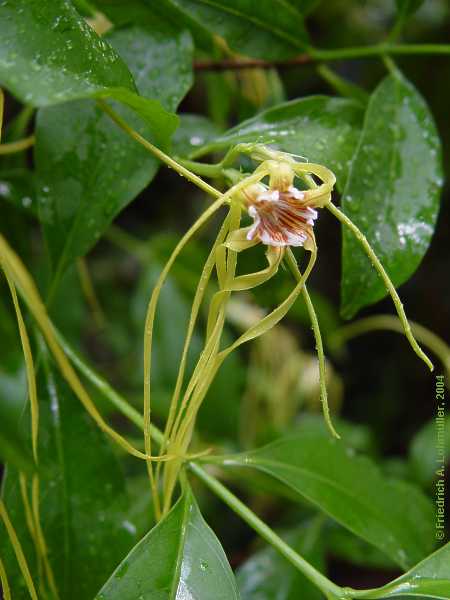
230, 64
315, 55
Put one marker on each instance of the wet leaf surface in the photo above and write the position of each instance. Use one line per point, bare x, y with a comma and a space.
49, 54
88, 170
318, 128
392, 193
179, 558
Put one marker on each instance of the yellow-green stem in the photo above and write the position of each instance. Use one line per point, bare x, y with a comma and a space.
6, 590
162, 156
292, 263
18, 551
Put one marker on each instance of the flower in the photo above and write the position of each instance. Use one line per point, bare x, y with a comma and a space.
282, 214
280, 218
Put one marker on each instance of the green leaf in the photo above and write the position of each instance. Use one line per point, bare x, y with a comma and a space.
320, 128
49, 55
267, 575
88, 170
430, 578
392, 193
83, 501
393, 516
179, 558
425, 457
269, 29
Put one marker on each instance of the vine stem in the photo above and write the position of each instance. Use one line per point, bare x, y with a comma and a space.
324, 55
379, 50
4, 581
162, 156
292, 264
18, 551
322, 582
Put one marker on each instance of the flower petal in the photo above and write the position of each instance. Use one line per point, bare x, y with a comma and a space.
281, 218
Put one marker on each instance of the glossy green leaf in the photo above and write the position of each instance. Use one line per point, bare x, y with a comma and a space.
88, 170
393, 516
49, 54
429, 579
83, 497
179, 558
322, 129
269, 29
392, 193
267, 575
